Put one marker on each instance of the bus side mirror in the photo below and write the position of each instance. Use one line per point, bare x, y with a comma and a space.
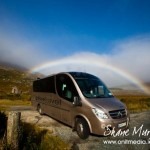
76, 101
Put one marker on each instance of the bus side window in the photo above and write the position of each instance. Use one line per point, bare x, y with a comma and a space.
65, 87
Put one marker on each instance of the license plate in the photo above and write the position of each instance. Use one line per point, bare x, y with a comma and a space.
121, 124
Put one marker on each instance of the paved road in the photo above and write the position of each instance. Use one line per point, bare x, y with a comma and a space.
20, 108
139, 121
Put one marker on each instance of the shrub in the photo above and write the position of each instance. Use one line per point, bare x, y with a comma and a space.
52, 142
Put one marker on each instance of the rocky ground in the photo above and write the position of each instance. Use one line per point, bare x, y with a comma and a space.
95, 142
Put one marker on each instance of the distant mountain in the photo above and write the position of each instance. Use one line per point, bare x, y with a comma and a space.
12, 66
15, 76
129, 89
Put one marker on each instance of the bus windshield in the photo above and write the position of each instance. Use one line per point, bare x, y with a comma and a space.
93, 88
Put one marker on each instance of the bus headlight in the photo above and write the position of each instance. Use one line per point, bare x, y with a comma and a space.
99, 113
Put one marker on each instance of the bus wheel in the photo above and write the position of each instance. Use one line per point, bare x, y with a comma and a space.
39, 109
82, 128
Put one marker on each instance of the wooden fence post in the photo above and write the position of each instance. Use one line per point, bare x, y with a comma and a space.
13, 123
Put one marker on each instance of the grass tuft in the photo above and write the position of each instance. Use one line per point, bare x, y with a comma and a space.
36, 138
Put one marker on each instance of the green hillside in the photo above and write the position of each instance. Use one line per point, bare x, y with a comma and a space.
13, 77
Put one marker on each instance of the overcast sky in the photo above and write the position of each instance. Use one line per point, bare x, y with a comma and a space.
33, 32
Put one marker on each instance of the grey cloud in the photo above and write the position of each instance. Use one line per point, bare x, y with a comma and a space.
19, 51
131, 55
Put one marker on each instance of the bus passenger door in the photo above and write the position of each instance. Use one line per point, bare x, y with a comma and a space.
66, 91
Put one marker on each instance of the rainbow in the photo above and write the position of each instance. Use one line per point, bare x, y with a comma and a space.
95, 63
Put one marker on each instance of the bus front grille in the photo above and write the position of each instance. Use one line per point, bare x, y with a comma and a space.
117, 114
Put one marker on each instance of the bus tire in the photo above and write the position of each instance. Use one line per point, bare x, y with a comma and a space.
82, 128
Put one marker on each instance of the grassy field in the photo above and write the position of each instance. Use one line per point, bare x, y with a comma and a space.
14, 102
6, 104
136, 103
